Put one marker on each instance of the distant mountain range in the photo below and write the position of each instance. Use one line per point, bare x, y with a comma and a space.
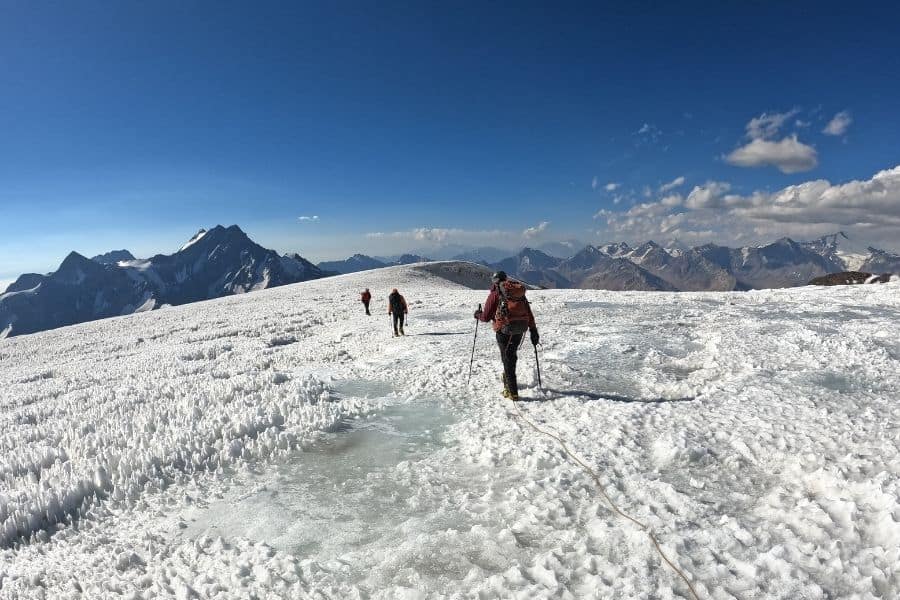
224, 261
651, 267
214, 263
710, 267
361, 262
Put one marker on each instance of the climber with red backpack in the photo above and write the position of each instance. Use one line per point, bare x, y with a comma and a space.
508, 308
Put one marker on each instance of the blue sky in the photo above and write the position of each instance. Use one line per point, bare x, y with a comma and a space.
131, 125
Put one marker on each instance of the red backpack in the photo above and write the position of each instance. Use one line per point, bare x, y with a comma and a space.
513, 314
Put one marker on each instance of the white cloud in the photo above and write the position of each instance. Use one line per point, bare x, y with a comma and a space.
838, 124
432, 235
677, 182
594, 183
789, 155
672, 200
767, 125
612, 186
647, 134
868, 210
535, 231
308, 219
709, 195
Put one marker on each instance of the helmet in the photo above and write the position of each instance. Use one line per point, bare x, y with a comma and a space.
498, 276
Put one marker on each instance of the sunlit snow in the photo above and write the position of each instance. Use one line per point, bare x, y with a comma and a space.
282, 444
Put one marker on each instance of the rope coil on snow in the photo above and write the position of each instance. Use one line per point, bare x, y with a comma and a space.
612, 504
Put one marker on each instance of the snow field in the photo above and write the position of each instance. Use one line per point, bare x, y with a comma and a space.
756, 433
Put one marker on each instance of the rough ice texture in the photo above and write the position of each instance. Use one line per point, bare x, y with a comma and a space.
756, 433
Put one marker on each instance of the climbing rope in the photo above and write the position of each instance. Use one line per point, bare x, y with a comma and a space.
608, 499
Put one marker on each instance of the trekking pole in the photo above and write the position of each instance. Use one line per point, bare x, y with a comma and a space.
472, 360
538, 363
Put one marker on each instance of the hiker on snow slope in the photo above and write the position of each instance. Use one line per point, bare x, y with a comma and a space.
366, 297
508, 308
398, 309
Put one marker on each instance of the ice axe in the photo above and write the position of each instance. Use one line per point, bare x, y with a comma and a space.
472, 360
538, 363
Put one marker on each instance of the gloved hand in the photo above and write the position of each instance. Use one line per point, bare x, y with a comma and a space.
478, 314
535, 338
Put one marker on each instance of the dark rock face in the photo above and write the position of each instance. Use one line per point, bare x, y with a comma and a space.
534, 267
113, 257
80, 290
361, 262
593, 269
829, 247
784, 263
850, 278
564, 249
410, 259
25, 282
880, 261
215, 263
685, 270
622, 275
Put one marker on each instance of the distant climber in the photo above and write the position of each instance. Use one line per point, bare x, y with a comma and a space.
510, 311
366, 297
398, 309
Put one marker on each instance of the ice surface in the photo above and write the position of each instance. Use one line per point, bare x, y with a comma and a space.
282, 444
339, 492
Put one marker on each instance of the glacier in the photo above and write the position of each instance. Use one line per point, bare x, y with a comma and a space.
281, 444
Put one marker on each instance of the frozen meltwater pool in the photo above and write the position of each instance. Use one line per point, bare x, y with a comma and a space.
338, 493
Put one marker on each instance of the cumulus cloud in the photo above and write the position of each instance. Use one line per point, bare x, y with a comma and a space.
535, 231
666, 187
712, 194
671, 200
788, 155
767, 125
308, 219
838, 124
868, 209
612, 186
440, 235
419, 234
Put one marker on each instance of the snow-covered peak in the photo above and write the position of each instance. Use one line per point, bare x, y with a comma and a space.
841, 249
196, 238
641, 252
615, 249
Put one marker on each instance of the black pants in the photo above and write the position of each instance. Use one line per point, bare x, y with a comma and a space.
398, 320
366, 304
509, 348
